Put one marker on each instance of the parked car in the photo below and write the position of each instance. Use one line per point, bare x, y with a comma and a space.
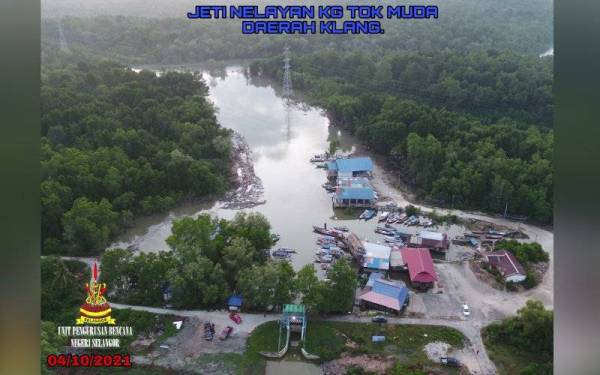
466, 311
449, 361
225, 333
235, 317
209, 331
379, 319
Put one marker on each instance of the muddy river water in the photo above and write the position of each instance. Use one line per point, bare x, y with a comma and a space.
282, 140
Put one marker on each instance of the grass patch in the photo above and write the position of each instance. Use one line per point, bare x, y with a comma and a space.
347, 213
328, 339
264, 338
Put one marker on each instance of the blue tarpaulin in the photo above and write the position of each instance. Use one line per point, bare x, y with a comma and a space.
235, 300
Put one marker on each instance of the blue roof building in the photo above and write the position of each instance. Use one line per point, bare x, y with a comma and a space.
350, 167
353, 197
381, 294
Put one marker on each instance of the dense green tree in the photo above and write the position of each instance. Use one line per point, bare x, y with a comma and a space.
197, 284
255, 228
194, 237
50, 343
340, 289
133, 140
530, 331
89, 225
62, 288
271, 284
238, 255
310, 287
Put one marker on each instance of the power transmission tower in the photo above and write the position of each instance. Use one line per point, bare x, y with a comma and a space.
287, 78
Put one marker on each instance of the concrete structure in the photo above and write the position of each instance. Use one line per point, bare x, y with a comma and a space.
384, 295
376, 257
420, 266
508, 266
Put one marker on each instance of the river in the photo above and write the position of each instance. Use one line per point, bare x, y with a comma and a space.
282, 140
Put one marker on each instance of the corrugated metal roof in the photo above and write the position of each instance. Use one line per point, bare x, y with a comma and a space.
372, 277
432, 235
353, 182
376, 250
396, 259
354, 165
420, 264
391, 294
293, 309
376, 263
365, 193
506, 263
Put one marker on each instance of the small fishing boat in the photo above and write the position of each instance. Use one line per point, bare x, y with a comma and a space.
280, 254
368, 214
286, 250
384, 216
328, 187
275, 237
318, 158
342, 229
321, 230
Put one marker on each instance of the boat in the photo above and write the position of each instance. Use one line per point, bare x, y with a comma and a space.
287, 250
280, 254
318, 158
367, 214
384, 216
323, 165
342, 229
321, 230
275, 237
329, 187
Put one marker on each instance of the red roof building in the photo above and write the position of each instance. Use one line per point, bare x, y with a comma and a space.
508, 266
420, 265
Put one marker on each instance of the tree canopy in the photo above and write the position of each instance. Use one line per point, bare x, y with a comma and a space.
116, 144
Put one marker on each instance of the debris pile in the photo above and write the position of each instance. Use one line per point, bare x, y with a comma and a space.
249, 190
